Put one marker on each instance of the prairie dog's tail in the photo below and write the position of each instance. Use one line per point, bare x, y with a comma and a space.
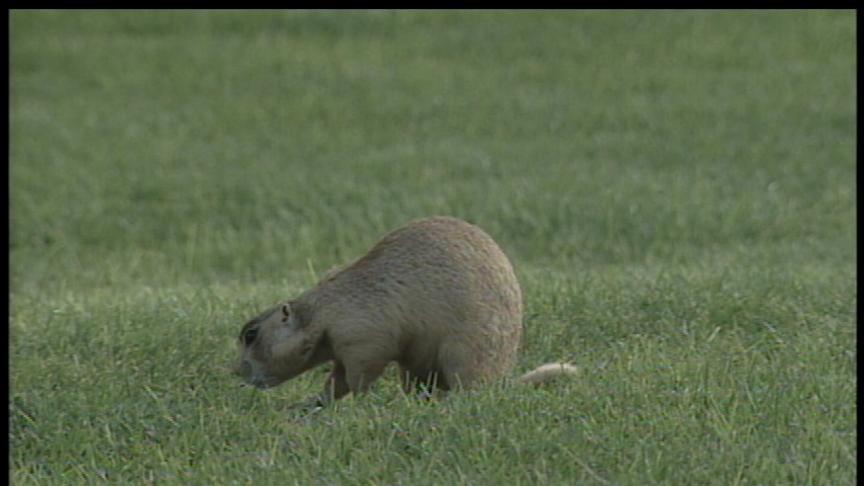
547, 372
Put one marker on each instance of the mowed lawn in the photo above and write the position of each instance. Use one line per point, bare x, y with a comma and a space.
675, 189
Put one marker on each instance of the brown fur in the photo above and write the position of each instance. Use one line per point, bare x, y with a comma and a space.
437, 296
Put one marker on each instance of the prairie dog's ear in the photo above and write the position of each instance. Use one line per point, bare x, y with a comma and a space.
294, 313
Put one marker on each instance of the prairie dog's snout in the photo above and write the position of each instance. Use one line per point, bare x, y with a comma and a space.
243, 368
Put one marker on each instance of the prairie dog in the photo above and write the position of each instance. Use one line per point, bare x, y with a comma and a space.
437, 296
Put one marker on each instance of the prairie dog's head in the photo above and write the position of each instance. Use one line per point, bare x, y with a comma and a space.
275, 346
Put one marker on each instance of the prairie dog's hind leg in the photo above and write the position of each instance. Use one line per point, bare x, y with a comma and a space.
457, 367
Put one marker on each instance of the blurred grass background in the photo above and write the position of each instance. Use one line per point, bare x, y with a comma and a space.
654, 176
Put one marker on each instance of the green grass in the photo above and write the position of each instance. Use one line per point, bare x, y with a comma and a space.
675, 189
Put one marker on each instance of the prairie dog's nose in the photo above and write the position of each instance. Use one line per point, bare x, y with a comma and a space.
243, 369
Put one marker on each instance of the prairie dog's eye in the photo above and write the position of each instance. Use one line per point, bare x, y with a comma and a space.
249, 336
